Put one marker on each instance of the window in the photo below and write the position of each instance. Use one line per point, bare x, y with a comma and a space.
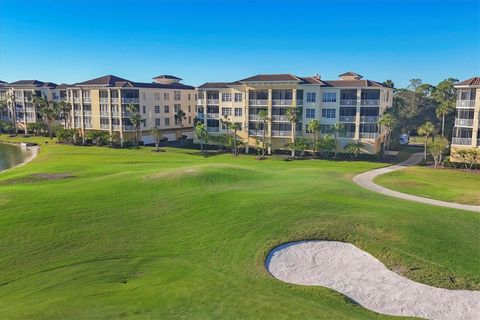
329, 113
238, 112
311, 96
157, 109
167, 122
238, 97
329, 97
176, 108
166, 109
189, 109
144, 94
310, 113
176, 95
189, 120
157, 122
226, 111
226, 97
189, 97
156, 96
166, 96
144, 109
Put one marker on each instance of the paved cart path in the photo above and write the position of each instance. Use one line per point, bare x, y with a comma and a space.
366, 180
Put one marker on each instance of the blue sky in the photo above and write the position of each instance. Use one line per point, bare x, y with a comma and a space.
228, 40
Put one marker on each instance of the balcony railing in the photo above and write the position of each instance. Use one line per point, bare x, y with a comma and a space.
281, 133
347, 118
200, 102
76, 99
88, 126
277, 117
115, 113
258, 102
464, 122
200, 115
368, 135
346, 135
256, 132
87, 112
212, 115
212, 101
370, 102
128, 127
344, 102
104, 113
115, 127
373, 119
253, 117
87, 100
213, 129
462, 141
114, 100
465, 103
77, 112
282, 102
103, 100
300, 102
104, 126
29, 109
130, 100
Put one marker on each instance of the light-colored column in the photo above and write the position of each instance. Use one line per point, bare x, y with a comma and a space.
269, 110
357, 116
109, 106
120, 111
24, 111
82, 124
246, 116
294, 105
476, 118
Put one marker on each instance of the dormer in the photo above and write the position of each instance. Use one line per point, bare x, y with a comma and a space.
350, 76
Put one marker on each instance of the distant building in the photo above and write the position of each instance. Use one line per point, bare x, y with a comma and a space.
352, 101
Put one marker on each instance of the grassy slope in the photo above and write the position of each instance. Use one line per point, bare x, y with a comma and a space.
143, 235
442, 184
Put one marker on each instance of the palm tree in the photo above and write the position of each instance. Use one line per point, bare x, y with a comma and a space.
314, 128
179, 116
235, 126
337, 130
387, 121
49, 116
64, 109
201, 134
10, 102
293, 115
135, 119
354, 149
326, 144
263, 115
426, 130
40, 103
389, 83
444, 108
158, 136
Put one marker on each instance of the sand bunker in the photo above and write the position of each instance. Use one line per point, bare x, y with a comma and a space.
355, 273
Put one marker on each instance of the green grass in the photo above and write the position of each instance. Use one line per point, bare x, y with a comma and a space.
442, 184
141, 235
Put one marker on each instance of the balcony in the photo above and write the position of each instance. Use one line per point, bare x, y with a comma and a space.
213, 129
87, 112
104, 126
258, 102
256, 132
281, 133
212, 115
465, 103
104, 113
462, 141
128, 127
300, 102
88, 126
87, 100
212, 101
277, 117
130, 100
351, 119
115, 127
29, 109
115, 114
254, 117
370, 102
103, 100
200, 102
76, 99
371, 119
77, 112
348, 102
282, 102
201, 115
346, 135
368, 135
464, 122
115, 100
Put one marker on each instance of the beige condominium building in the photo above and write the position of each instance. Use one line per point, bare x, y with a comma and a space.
466, 133
101, 104
352, 101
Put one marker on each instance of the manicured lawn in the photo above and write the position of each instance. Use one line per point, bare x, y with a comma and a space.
141, 235
442, 184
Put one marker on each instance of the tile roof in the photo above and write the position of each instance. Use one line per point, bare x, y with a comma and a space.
475, 81
108, 80
179, 86
117, 82
350, 73
167, 76
271, 77
32, 83
215, 85
353, 83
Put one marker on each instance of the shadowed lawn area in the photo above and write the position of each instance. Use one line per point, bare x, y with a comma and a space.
441, 184
136, 234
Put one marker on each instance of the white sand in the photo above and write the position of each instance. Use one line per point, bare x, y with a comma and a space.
355, 273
